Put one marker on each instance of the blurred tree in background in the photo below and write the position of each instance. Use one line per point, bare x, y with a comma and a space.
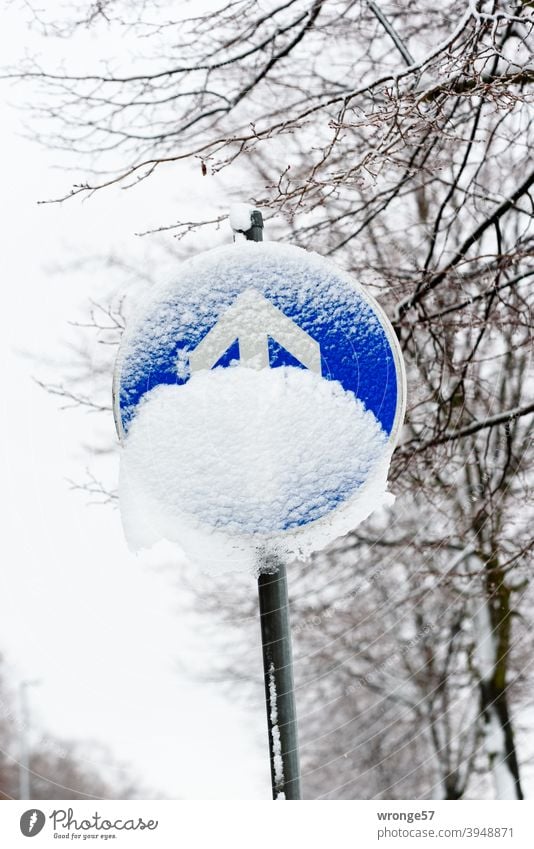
57, 769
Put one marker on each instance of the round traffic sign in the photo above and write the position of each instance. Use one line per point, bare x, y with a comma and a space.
259, 393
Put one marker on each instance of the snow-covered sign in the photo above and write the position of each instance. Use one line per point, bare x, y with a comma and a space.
258, 396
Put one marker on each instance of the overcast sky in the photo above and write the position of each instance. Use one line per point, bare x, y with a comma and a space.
99, 628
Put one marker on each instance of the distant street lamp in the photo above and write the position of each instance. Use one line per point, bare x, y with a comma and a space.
24, 746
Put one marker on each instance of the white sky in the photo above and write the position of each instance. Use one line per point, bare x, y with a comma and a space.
100, 629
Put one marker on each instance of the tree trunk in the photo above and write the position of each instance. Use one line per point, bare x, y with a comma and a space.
493, 625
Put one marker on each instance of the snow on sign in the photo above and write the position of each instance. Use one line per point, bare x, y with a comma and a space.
258, 398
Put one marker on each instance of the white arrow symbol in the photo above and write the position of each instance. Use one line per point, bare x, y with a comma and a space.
251, 320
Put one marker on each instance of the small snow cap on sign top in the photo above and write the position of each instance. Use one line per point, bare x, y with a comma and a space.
241, 217
246, 221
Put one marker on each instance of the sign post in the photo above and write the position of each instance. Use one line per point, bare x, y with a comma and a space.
277, 652
279, 687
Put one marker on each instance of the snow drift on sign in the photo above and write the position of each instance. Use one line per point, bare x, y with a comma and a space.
239, 459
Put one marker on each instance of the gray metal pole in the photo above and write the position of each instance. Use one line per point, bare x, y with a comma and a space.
25, 787
278, 672
24, 755
277, 654
255, 234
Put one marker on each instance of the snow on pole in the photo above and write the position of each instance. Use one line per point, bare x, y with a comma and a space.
276, 754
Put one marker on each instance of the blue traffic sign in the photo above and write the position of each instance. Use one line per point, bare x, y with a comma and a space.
265, 306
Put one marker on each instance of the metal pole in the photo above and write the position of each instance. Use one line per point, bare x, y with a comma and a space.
277, 654
278, 672
255, 233
24, 756
25, 788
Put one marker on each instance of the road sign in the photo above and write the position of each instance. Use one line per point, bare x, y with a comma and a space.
264, 305
257, 306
